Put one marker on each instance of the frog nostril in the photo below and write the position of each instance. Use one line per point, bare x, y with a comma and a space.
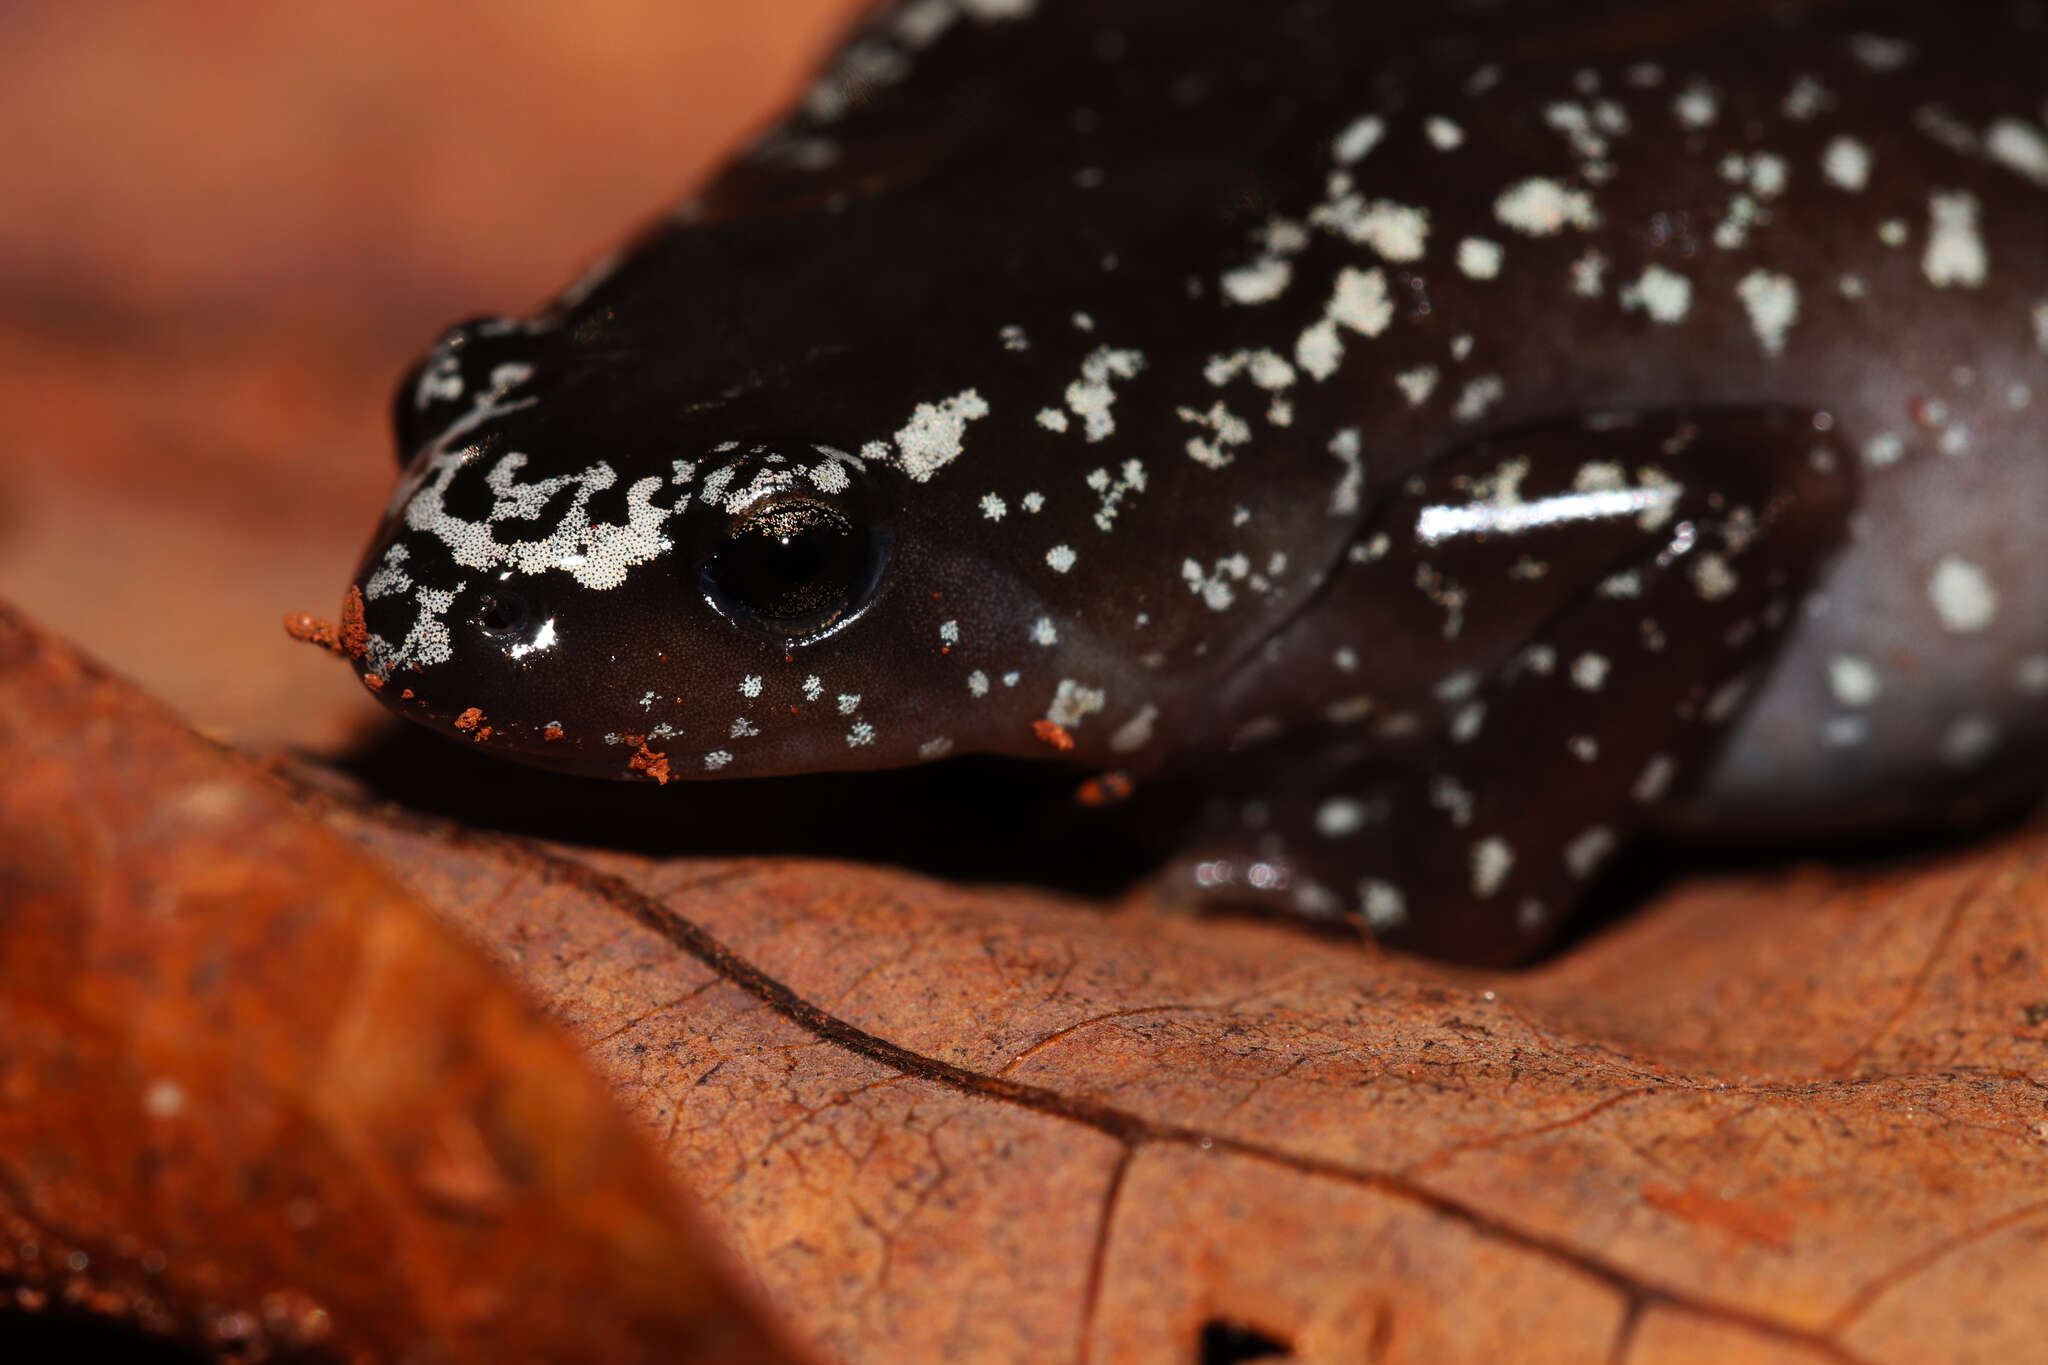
503, 614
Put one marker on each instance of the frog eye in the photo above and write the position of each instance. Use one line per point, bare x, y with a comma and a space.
794, 567
472, 365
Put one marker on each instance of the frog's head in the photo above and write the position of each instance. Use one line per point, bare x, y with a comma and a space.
737, 590
868, 455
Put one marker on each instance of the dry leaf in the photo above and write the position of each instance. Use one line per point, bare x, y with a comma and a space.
257, 1100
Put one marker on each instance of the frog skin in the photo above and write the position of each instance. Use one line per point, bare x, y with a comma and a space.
1459, 443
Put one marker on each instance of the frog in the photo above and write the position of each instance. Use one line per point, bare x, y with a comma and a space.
1462, 442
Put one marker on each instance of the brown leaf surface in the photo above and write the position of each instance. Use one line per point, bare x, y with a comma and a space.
1795, 1118
255, 1098
1786, 1115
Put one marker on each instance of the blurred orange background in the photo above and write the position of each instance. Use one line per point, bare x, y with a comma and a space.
227, 228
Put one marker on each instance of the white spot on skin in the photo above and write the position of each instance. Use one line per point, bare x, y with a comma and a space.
2030, 676
1465, 725
1457, 687
1381, 905
715, 760
993, 507
1772, 302
750, 686
1319, 350
742, 728
1881, 54
1491, 859
1732, 232
977, 683
1955, 252
1267, 370
1654, 782
1417, 384
1627, 583
1135, 733
829, 476
1806, 98
1315, 901
935, 748
1214, 587
1072, 703
860, 736
1479, 395
2041, 326
390, 576
1585, 854
1846, 164
931, 439
1575, 123
1664, 294
1852, 680
2019, 147
1768, 175
1060, 558
1589, 672
1844, 732
1883, 449
1397, 232
1052, 419
1340, 816
1727, 699
1357, 139
1589, 275
1443, 134
949, 632
1540, 207
1230, 430
1712, 578
1090, 396
1479, 258
1033, 501
1044, 632
849, 702
597, 555
1131, 478
1696, 107
1969, 741
1344, 499
1894, 232
1260, 282
1962, 595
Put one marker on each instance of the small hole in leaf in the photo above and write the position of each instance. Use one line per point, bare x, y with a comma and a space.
1228, 1343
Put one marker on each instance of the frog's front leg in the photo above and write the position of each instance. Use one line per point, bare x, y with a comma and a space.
1531, 647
